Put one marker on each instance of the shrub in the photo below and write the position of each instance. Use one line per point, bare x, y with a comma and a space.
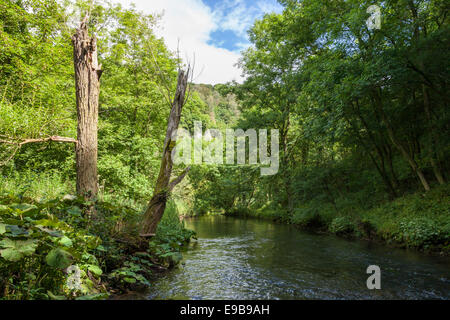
307, 217
423, 232
342, 226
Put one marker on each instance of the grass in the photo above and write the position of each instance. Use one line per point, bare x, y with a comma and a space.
37, 186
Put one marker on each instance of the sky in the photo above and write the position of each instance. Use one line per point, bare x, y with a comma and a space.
214, 31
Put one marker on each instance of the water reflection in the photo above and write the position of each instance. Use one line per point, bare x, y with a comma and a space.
251, 259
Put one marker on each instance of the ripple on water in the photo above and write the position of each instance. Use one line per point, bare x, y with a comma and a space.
249, 259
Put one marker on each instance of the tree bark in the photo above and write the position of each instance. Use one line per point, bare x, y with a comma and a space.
433, 137
380, 167
164, 186
398, 145
87, 80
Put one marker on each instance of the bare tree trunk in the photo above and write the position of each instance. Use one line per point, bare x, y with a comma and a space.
87, 79
164, 186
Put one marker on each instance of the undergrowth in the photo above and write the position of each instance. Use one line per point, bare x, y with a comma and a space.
418, 221
67, 248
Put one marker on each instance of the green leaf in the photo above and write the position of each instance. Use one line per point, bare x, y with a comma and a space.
75, 211
16, 250
59, 258
65, 241
95, 270
129, 280
101, 248
53, 233
2, 228
16, 231
53, 297
98, 296
24, 207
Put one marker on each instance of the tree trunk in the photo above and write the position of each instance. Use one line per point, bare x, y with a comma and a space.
157, 205
398, 145
433, 137
87, 80
381, 168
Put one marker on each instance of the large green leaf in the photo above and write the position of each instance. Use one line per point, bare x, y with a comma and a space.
95, 270
16, 231
75, 211
2, 228
65, 241
129, 280
16, 250
59, 258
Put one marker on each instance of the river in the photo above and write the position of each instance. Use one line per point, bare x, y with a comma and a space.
252, 259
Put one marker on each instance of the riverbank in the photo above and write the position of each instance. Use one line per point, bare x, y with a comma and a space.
418, 221
69, 249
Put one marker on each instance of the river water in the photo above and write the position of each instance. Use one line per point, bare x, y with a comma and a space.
251, 259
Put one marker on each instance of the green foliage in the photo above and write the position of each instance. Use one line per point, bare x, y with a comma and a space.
164, 251
171, 232
46, 185
132, 273
342, 226
416, 221
38, 245
307, 217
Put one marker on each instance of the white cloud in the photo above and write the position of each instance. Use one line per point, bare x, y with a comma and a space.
189, 23
269, 6
234, 15
239, 15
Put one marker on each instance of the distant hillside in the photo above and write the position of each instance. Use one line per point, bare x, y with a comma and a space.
223, 107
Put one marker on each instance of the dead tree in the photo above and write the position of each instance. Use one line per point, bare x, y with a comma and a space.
164, 185
87, 80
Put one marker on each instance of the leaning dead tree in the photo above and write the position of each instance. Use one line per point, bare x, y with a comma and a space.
164, 185
87, 80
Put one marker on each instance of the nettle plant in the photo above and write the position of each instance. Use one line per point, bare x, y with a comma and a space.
38, 247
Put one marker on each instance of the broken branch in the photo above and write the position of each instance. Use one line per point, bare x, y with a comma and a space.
180, 178
27, 141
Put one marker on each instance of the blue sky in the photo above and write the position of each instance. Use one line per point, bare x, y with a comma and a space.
212, 31
235, 18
